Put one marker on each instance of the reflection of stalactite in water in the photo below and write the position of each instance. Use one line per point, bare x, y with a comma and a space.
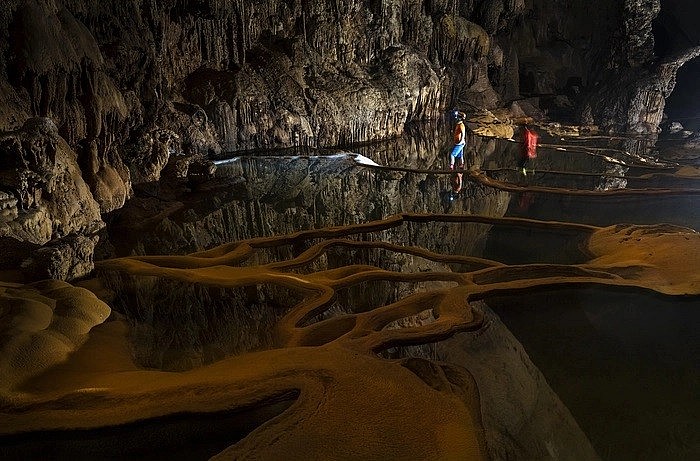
331, 361
614, 178
223, 267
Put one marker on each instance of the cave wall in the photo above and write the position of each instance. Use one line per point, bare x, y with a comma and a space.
138, 85
273, 74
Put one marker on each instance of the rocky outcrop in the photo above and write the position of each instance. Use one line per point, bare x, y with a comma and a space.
65, 259
634, 99
149, 152
29, 161
44, 200
55, 65
246, 75
630, 92
207, 79
49, 197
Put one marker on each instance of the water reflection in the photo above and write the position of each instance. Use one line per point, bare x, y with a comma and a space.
600, 180
581, 179
609, 333
624, 363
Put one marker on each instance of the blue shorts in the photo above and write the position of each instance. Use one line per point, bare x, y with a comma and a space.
457, 151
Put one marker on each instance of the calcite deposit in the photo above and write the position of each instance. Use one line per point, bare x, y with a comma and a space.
329, 362
132, 87
228, 230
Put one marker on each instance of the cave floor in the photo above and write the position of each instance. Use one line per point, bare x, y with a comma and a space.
278, 340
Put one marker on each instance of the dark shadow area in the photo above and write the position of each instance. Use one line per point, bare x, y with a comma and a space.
178, 325
513, 245
679, 209
682, 106
176, 437
625, 363
675, 30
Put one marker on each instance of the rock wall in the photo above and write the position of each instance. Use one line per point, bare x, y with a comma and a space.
45, 201
273, 74
139, 88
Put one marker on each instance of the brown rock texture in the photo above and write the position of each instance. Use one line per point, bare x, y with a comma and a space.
330, 361
41, 171
271, 74
45, 200
137, 88
323, 302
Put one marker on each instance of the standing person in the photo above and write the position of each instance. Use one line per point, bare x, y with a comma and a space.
528, 148
460, 139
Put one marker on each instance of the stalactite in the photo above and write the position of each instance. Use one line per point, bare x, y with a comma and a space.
328, 49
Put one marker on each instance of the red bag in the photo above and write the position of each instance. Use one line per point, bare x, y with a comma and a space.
531, 143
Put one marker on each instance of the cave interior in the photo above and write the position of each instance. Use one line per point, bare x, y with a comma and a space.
230, 230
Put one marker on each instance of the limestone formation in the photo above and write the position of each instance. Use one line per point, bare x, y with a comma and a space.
68, 258
251, 201
55, 63
132, 97
40, 170
264, 74
45, 201
42, 324
29, 161
619, 258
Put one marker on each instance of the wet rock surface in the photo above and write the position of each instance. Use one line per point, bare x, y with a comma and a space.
267, 74
144, 130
